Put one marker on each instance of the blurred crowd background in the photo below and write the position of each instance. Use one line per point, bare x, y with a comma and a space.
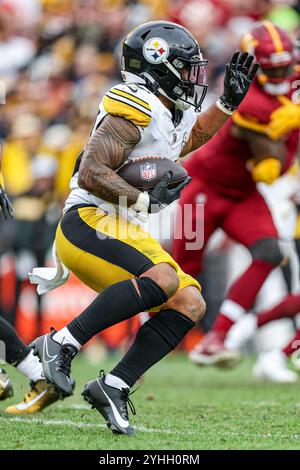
57, 59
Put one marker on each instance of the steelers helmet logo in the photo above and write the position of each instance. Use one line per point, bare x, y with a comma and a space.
155, 50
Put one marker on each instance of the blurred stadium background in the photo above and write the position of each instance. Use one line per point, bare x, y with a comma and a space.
58, 58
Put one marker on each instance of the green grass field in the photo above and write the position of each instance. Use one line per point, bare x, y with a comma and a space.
178, 407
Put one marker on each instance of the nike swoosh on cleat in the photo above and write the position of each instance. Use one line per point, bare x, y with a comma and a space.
121, 422
25, 406
46, 356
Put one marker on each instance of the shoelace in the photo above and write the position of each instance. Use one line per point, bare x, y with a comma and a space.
125, 398
65, 357
65, 360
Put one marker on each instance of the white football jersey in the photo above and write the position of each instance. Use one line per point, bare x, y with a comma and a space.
159, 136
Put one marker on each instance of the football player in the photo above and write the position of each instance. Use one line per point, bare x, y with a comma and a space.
15, 352
153, 114
247, 150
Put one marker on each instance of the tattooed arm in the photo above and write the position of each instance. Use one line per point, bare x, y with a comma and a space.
106, 150
207, 125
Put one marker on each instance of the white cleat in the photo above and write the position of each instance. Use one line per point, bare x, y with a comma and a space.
241, 332
272, 366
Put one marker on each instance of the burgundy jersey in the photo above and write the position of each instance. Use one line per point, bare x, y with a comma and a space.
224, 162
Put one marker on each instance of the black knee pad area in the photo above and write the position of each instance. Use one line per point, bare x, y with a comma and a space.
267, 250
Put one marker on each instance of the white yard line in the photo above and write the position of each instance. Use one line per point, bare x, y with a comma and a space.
80, 425
77, 424
74, 406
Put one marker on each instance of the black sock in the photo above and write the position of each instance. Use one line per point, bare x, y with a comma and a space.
154, 340
115, 304
13, 349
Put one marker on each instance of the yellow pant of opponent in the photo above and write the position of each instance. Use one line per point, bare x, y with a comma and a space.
103, 249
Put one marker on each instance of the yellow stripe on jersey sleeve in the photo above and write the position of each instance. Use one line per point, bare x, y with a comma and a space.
131, 97
1, 181
130, 107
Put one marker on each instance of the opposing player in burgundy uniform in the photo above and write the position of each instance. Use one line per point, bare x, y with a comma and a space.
224, 176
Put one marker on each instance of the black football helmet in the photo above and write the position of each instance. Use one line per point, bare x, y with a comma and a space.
167, 58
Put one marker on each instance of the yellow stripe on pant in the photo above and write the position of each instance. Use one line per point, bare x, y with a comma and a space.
103, 249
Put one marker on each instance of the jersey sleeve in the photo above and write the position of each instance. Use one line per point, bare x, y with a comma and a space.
129, 102
254, 113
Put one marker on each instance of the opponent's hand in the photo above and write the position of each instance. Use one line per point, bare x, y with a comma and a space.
5, 205
238, 77
161, 196
284, 119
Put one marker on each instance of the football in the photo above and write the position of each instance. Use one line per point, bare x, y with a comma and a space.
144, 173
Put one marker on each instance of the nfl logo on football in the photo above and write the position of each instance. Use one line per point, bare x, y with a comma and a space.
148, 171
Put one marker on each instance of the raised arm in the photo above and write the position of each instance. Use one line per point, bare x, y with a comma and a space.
238, 77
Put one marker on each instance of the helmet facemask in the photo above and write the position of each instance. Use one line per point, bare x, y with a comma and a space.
190, 82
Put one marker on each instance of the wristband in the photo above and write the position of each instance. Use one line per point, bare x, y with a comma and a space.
227, 109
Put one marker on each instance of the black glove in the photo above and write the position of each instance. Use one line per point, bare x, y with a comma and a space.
161, 196
238, 77
5, 205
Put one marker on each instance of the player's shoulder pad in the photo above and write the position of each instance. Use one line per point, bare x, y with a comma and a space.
254, 113
130, 101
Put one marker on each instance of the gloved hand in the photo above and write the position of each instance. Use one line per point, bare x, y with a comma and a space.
238, 78
284, 119
161, 196
5, 205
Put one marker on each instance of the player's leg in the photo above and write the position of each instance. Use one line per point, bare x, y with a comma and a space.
289, 307
154, 340
119, 260
273, 365
199, 214
250, 223
16, 353
247, 326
